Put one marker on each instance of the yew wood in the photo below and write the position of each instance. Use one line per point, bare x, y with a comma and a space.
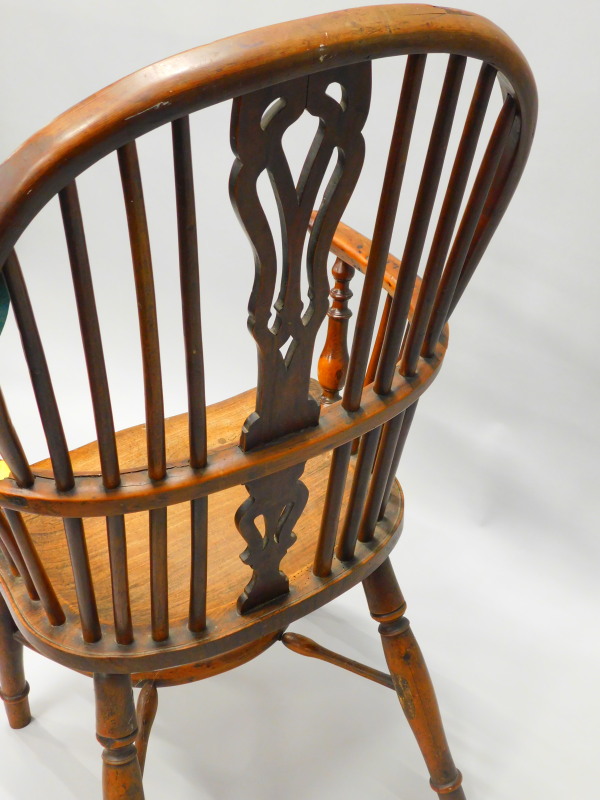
364, 466
15, 556
82, 574
12, 449
146, 301
407, 419
194, 354
190, 289
384, 226
338, 473
90, 333
119, 578
121, 558
333, 363
32, 566
199, 564
306, 647
40, 375
385, 464
8, 557
116, 730
227, 466
227, 575
411, 680
146, 708
415, 240
14, 689
462, 243
449, 214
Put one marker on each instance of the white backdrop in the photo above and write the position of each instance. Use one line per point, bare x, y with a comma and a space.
499, 558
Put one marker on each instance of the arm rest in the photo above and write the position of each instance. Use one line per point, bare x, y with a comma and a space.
353, 248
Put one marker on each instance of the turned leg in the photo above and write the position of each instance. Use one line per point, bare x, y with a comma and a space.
116, 730
147, 706
14, 688
411, 680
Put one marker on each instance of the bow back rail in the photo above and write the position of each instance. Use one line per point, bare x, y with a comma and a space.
370, 386
112, 119
210, 74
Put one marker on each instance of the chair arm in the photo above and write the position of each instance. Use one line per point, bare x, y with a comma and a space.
353, 248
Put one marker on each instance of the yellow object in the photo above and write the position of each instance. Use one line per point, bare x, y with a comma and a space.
4, 470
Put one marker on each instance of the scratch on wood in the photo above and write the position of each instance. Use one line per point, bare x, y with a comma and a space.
152, 108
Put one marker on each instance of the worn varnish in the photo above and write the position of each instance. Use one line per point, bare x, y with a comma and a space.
183, 547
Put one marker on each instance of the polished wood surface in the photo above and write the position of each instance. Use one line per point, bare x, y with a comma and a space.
146, 708
14, 689
117, 730
307, 647
384, 226
419, 223
411, 680
182, 547
333, 363
227, 574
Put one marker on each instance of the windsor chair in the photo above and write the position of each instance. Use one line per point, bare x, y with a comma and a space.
89, 576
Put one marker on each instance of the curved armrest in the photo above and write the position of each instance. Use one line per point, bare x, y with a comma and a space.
354, 249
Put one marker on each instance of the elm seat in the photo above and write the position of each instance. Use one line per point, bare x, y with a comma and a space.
180, 548
227, 575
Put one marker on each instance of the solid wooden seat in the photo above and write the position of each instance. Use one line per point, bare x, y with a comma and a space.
177, 549
227, 575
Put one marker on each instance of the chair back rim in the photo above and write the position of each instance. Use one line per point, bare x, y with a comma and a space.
213, 73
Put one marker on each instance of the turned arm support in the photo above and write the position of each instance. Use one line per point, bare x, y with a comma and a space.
333, 362
352, 253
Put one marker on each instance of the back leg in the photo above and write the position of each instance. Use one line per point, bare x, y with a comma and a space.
147, 706
411, 680
14, 688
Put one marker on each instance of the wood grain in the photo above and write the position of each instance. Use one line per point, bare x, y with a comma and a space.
384, 227
421, 216
227, 575
122, 557
411, 680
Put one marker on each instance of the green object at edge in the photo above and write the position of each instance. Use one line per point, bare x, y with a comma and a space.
4, 302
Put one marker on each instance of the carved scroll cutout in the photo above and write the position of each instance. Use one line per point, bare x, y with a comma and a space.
280, 499
259, 121
340, 99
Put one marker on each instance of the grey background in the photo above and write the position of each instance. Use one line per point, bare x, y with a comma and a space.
499, 558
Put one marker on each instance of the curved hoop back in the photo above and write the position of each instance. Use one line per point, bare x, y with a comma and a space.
48, 163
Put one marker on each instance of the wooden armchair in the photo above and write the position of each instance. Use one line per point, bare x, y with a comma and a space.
120, 559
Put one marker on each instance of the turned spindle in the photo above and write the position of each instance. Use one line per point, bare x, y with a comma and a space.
333, 362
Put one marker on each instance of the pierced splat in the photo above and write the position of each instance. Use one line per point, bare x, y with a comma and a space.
339, 98
259, 121
279, 500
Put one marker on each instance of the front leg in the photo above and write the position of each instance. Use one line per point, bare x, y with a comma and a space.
411, 680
